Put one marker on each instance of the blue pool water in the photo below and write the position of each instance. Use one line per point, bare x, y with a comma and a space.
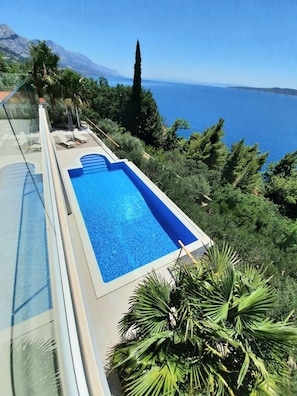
127, 224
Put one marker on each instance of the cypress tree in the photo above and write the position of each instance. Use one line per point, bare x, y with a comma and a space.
135, 104
143, 119
136, 89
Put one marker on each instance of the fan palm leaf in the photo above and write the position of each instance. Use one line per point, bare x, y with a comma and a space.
159, 380
259, 300
217, 305
206, 333
279, 332
220, 258
150, 308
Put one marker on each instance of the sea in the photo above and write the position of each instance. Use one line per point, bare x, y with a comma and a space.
266, 119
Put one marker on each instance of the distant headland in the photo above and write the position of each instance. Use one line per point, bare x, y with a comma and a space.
281, 91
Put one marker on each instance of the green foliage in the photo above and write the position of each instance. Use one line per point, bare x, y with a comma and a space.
9, 81
130, 147
253, 226
150, 130
72, 86
281, 184
107, 102
171, 173
286, 298
74, 91
208, 147
134, 117
12, 67
110, 127
205, 333
44, 69
286, 167
242, 167
254, 212
4, 67
171, 140
261, 228
136, 88
114, 103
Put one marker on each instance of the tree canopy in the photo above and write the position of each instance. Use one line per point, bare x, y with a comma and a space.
208, 146
44, 69
281, 184
208, 332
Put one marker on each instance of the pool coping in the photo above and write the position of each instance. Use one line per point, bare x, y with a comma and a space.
100, 287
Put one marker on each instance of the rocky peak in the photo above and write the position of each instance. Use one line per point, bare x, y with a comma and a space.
16, 47
6, 32
13, 43
79, 62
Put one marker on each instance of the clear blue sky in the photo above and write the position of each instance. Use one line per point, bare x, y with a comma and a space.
245, 42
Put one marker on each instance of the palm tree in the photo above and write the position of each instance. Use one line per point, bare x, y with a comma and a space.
74, 91
206, 333
45, 72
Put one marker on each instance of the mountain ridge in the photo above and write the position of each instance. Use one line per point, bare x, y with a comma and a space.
16, 48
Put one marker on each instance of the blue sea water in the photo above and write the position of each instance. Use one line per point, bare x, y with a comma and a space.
268, 119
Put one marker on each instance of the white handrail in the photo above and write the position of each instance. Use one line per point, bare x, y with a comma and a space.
81, 377
67, 341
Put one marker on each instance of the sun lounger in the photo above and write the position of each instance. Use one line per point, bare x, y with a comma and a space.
64, 141
80, 138
33, 141
35, 147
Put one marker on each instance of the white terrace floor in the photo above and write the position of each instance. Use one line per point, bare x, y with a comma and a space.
10, 208
106, 303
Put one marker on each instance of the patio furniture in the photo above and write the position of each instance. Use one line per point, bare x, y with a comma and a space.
64, 141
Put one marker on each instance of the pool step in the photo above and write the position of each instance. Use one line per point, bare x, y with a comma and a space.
94, 163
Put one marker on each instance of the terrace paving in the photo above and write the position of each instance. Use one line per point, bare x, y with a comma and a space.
10, 211
104, 304
103, 310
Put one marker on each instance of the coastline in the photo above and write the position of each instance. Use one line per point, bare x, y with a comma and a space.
275, 90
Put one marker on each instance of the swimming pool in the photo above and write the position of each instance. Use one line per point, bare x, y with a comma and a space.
128, 225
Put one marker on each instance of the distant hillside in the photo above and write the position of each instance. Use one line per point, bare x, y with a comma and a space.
79, 62
283, 91
13, 46
16, 48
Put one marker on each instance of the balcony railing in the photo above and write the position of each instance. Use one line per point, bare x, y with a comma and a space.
45, 342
